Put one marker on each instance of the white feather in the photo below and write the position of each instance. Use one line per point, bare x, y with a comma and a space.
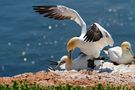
81, 62
116, 54
92, 49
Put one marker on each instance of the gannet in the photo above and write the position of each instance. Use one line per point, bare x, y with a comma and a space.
90, 42
79, 63
121, 55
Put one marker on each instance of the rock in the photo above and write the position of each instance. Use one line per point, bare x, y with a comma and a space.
109, 73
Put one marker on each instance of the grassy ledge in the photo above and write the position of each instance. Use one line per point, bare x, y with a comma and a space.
24, 86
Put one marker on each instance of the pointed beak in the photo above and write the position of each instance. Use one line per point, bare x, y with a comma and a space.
131, 51
70, 53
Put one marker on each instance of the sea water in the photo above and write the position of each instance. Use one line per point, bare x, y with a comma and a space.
28, 40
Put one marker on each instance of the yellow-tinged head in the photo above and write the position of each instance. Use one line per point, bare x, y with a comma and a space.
68, 62
126, 46
71, 45
67, 59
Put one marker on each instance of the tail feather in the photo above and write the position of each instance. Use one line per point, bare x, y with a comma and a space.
53, 62
50, 68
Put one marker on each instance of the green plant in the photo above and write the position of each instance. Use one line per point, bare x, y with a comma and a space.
24, 86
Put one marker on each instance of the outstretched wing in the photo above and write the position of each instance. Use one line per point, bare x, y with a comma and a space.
98, 37
96, 32
59, 12
93, 34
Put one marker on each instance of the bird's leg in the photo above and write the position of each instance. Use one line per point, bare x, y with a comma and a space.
91, 64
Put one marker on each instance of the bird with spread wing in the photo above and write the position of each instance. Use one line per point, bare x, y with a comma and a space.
91, 41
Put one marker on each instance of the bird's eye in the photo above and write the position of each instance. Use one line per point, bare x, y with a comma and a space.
128, 48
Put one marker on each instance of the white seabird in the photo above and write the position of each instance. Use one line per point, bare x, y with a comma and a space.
79, 63
90, 42
121, 55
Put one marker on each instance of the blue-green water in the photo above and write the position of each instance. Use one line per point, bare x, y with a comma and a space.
28, 41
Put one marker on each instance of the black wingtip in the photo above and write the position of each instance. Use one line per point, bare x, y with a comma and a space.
44, 6
50, 11
50, 68
53, 62
43, 9
35, 7
93, 34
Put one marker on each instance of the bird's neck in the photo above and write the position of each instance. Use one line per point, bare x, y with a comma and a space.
125, 51
69, 61
69, 64
84, 30
73, 43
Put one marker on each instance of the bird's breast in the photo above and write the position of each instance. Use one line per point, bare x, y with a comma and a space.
89, 49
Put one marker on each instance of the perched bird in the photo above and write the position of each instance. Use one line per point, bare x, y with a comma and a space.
91, 41
67, 61
81, 62
121, 55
